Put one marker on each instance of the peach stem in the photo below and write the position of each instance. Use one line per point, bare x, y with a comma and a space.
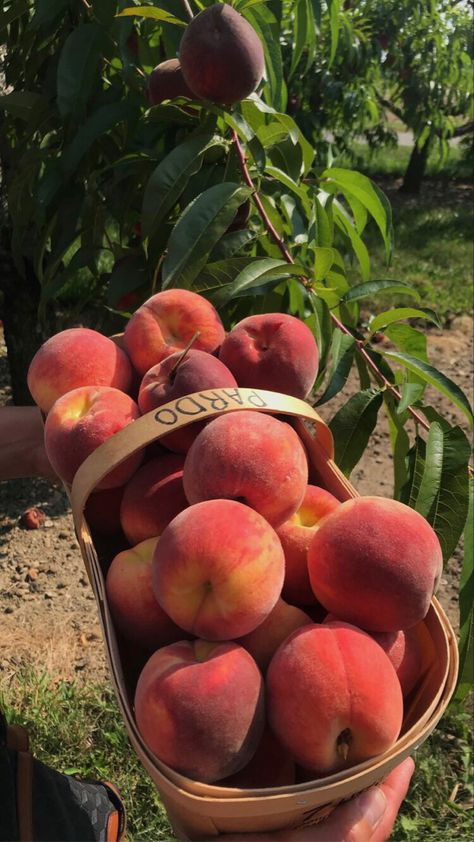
343, 743
183, 354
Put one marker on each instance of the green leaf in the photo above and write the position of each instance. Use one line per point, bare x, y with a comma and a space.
290, 184
128, 274
342, 356
304, 34
400, 443
411, 392
267, 28
360, 249
352, 426
216, 278
241, 5
23, 105
435, 378
324, 231
415, 465
358, 185
399, 313
323, 260
466, 607
98, 124
18, 8
232, 243
171, 176
261, 270
370, 288
431, 478
443, 491
334, 8
151, 12
320, 325
197, 231
46, 12
410, 341
77, 68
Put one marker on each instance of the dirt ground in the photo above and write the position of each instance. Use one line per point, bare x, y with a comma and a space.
47, 610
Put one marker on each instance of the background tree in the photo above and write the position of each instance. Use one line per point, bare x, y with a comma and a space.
370, 60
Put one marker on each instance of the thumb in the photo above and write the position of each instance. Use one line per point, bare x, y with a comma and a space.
371, 815
356, 820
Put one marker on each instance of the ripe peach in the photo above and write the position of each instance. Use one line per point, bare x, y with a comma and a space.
79, 422
272, 351
221, 55
73, 358
172, 379
263, 641
166, 81
270, 766
103, 510
218, 569
295, 536
251, 457
333, 697
152, 498
166, 322
133, 606
375, 562
403, 651
199, 708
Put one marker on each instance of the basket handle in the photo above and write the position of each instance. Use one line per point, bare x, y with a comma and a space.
180, 413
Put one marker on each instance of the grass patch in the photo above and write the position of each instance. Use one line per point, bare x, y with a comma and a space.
78, 729
391, 162
439, 804
434, 250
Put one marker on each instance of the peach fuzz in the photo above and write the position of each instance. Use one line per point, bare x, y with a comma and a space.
218, 569
152, 498
295, 536
270, 766
333, 697
176, 377
79, 422
272, 351
263, 641
200, 708
73, 358
134, 609
166, 322
403, 649
375, 563
250, 457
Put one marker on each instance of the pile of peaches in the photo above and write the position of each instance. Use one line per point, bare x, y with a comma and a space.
278, 627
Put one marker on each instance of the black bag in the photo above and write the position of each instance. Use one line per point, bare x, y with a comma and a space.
38, 804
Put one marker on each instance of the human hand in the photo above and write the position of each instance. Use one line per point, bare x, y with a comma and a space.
368, 817
22, 452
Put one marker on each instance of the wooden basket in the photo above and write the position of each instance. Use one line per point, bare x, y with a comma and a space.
199, 811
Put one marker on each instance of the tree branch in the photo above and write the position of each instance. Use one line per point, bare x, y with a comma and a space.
391, 107
187, 9
466, 128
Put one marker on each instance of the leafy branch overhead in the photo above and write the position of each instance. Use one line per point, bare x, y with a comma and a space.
124, 174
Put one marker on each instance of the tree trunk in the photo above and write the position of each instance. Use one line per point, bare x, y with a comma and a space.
416, 169
23, 335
